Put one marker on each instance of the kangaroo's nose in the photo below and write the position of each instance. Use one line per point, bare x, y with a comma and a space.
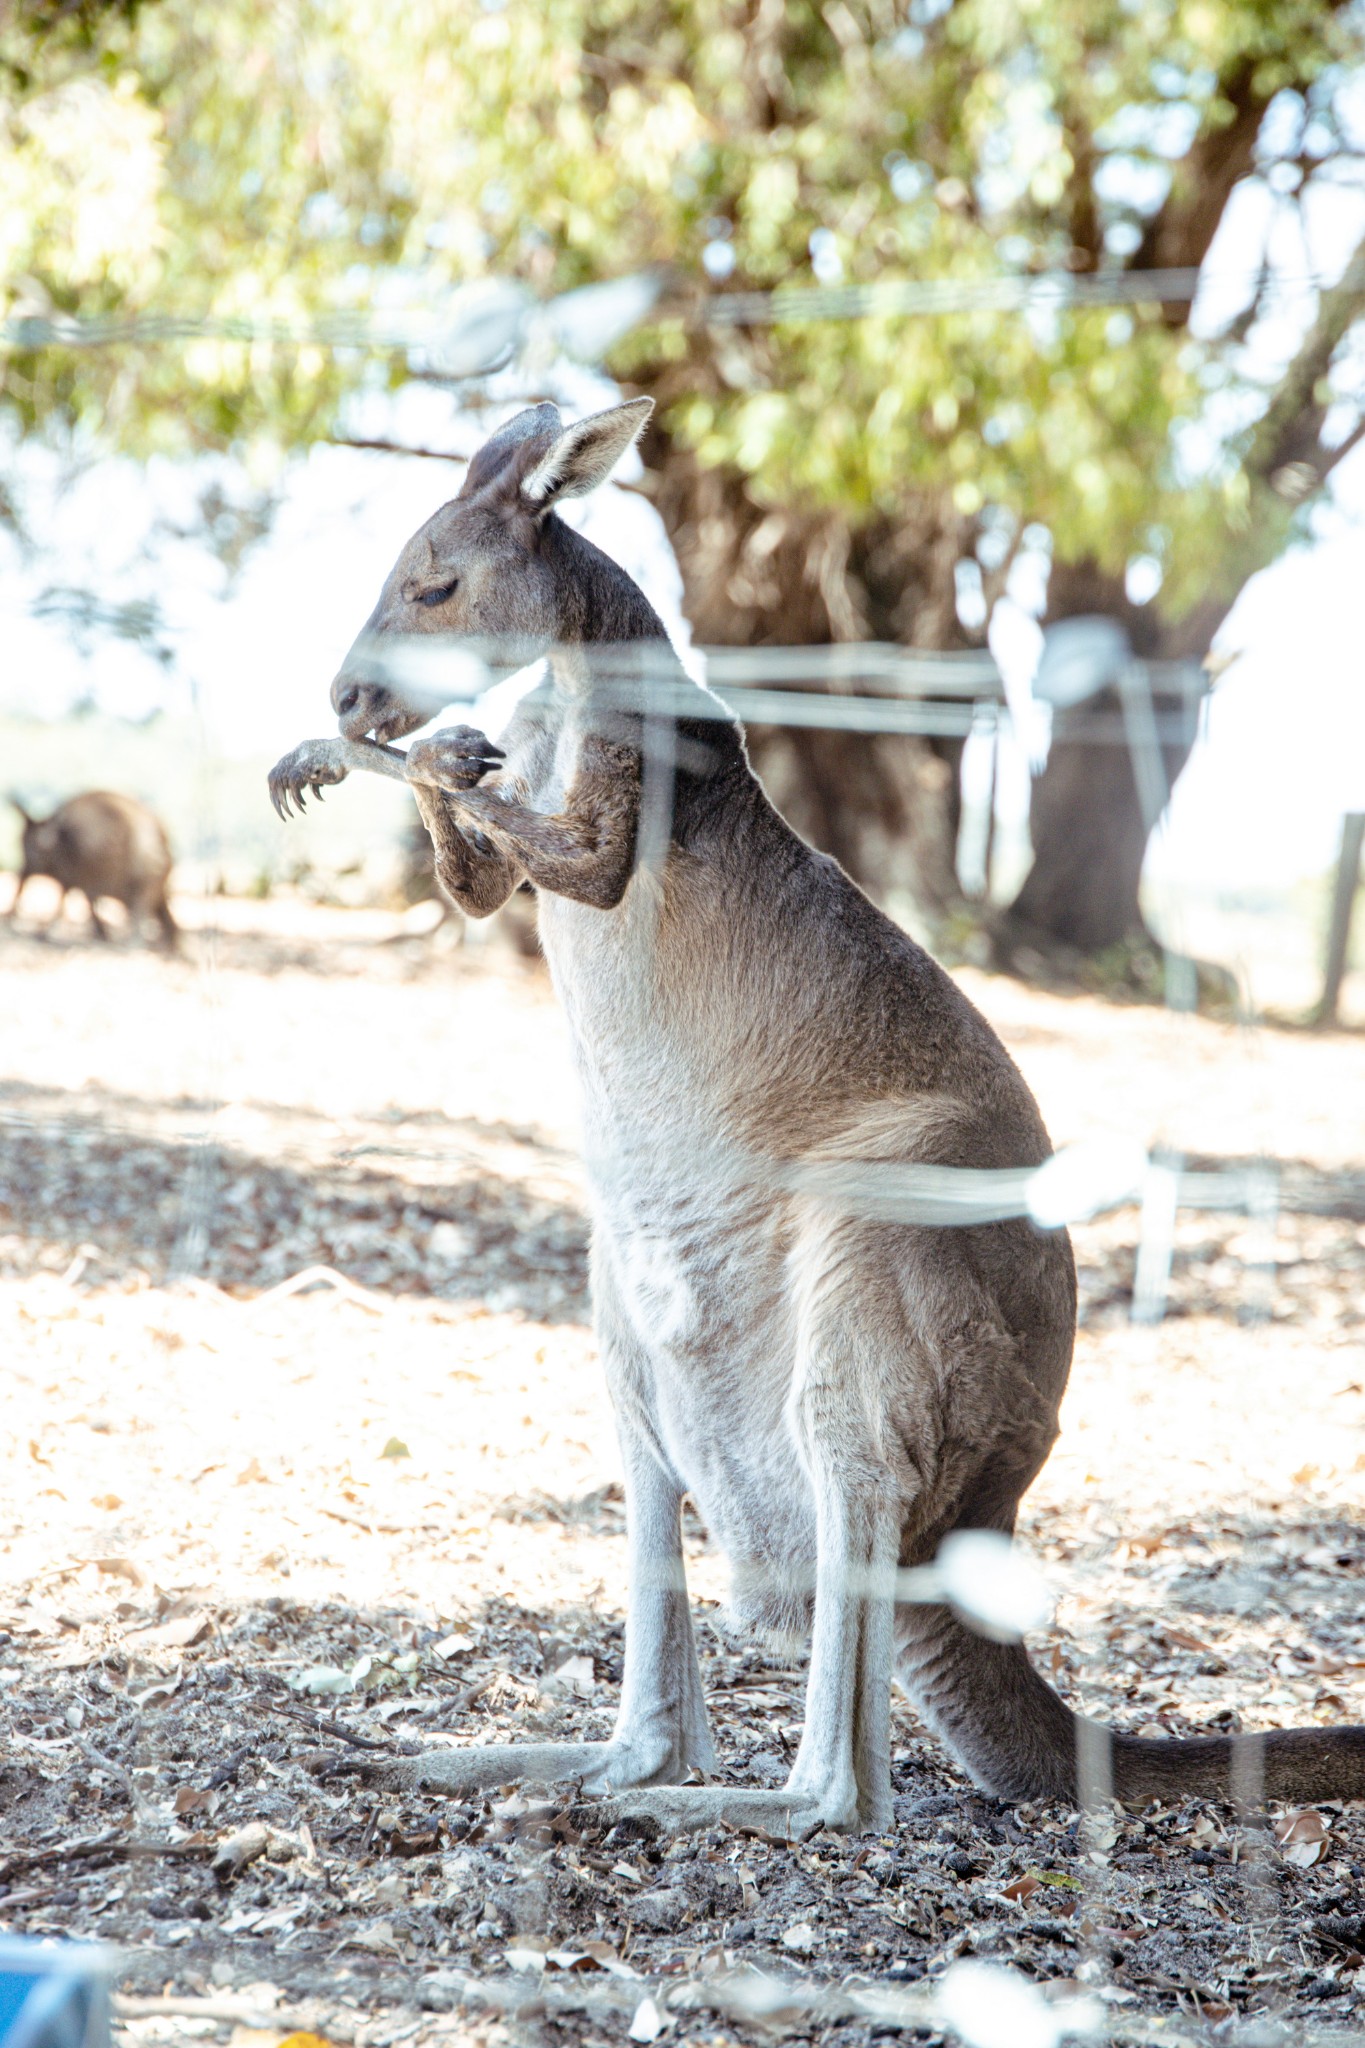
357, 703
364, 706
345, 694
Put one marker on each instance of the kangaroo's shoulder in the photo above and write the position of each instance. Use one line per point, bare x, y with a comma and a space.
796, 960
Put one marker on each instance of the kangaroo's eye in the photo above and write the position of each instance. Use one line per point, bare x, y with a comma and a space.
431, 598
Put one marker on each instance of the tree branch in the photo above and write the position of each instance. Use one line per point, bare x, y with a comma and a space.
395, 448
1286, 454
1343, 448
1286, 449
1180, 231
1083, 213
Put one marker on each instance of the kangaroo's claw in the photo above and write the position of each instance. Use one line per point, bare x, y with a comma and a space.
454, 759
309, 766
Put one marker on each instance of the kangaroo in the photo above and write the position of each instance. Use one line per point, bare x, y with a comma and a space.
103, 844
836, 1391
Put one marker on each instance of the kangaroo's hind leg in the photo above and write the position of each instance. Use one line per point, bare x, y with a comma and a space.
851, 1350
97, 924
661, 1730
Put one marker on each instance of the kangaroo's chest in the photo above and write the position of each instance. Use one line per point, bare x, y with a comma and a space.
695, 1265
697, 1338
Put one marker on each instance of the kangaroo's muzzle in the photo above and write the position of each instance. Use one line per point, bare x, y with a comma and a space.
370, 710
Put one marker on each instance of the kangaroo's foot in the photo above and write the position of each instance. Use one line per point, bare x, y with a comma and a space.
630, 1784
788, 1811
600, 1767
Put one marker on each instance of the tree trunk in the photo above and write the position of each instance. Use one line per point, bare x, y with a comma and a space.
1089, 837
886, 807
1085, 813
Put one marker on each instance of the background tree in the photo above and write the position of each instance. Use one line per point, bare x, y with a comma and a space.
821, 482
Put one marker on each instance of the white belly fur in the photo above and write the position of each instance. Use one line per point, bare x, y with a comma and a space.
691, 1244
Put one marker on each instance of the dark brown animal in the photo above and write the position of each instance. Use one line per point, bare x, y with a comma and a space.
105, 845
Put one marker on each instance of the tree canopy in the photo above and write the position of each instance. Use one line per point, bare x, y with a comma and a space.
281, 163
277, 162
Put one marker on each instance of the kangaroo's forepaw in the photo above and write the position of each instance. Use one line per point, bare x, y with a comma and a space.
454, 759
310, 766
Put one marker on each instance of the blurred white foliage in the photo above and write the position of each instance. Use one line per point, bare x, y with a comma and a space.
991, 1582
586, 323
1082, 1180
988, 2006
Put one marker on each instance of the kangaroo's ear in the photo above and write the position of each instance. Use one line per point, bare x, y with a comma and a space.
519, 444
585, 454
28, 820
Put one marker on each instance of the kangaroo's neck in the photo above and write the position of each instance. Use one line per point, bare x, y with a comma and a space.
599, 604
597, 600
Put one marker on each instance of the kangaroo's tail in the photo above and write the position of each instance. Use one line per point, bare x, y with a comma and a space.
1017, 1739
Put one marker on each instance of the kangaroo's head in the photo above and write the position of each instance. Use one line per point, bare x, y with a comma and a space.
41, 839
484, 567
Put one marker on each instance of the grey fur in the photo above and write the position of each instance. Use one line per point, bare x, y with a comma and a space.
837, 1393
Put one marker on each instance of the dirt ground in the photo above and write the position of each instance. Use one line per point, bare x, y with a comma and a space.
261, 1534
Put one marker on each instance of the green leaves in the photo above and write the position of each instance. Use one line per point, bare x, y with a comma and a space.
288, 164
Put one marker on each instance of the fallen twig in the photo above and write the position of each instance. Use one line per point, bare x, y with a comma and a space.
107, 1848
228, 1768
360, 1297
351, 1521
123, 1779
380, 1528
441, 1711
454, 1704
465, 1699
320, 1725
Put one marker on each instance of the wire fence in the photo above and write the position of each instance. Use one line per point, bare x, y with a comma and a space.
865, 690
832, 687
483, 326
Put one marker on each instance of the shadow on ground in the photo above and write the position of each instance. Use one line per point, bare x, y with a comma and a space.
424, 1206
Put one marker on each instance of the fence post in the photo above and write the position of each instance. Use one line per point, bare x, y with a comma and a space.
1343, 903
